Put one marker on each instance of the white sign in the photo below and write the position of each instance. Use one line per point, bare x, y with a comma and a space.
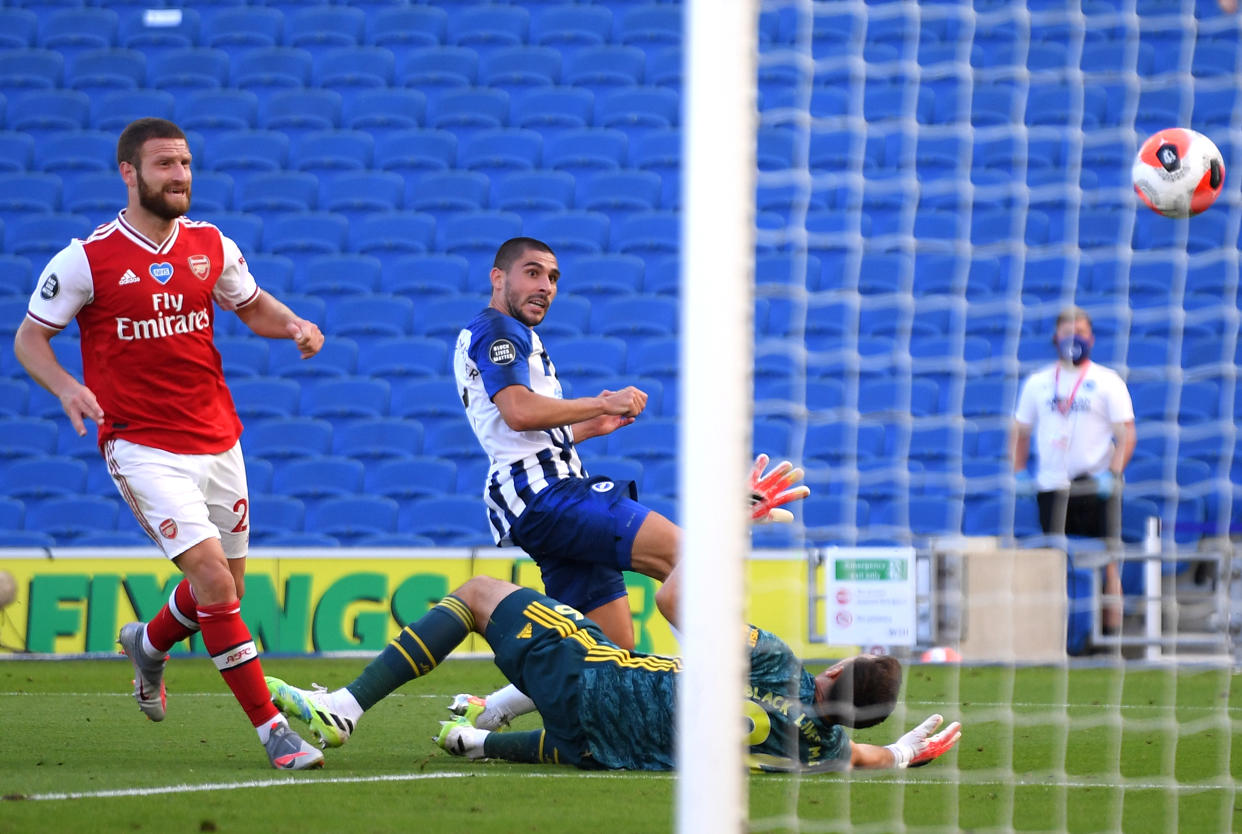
870, 596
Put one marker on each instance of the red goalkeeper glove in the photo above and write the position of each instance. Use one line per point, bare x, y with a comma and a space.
919, 746
769, 492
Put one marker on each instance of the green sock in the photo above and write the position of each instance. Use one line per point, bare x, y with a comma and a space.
415, 651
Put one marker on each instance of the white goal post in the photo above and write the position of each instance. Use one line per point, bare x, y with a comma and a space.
717, 353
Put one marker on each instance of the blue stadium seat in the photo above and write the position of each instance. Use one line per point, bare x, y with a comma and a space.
516, 68
373, 315
267, 70
242, 357
442, 194
391, 235
243, 153
412, 478
245, 27
30, 70
40, 478
261, 397
332, 153
319, 27
403, 357
43, 112
16, 151
586, 151
648, 234
345, 398
402, 28
24, 194
300, 111
569, 319
40, 236
70, 153
427, 400
377, 440
274, 515
338, 356
640, 316
647, 440
349, 519
17, 28
382, 111
625, 469
158, 31
619, 193
436, 69
357, 194
533, 191
487, 28
14, 395
272, 272
17, 278
588, 356
468, 108
305, 233
99, 70
551, 109
477, 235
571, 28
428, 275
290, 438
353, 69
69, 517
444, 317
114, 110
277, 192
570, 232
606, 275
72, 31
501, 151
454, 440
638, 109
316, 478
448, 520
649, 25
416, 151
605, 67
215, 112
334, 276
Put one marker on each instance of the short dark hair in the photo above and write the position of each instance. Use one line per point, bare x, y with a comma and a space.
865, 692
137, 132
513, 248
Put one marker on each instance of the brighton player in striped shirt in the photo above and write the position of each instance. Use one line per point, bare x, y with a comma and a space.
143, 289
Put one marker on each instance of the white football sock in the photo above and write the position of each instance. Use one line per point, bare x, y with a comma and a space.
503, 706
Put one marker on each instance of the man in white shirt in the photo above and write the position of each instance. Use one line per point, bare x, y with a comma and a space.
1083, 420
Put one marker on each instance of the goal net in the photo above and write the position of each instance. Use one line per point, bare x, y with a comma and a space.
935, 182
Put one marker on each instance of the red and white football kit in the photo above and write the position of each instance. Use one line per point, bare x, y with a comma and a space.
170, 430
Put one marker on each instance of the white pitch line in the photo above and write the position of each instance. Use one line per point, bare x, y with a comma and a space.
232, 786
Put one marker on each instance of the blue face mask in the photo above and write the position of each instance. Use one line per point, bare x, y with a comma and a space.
1074, 349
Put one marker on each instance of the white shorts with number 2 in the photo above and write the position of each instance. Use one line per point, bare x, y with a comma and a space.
181, 500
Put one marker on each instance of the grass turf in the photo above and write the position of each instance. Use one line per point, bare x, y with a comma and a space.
1092, 749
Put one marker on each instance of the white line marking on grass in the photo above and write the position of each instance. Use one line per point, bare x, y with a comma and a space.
212, 787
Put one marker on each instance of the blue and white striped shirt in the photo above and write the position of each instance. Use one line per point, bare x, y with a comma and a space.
493, 352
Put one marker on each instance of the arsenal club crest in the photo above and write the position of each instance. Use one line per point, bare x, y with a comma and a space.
168, 528
200, 265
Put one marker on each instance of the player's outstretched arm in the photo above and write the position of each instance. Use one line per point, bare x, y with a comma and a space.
268, 316
32, 347
915, 749
771, 491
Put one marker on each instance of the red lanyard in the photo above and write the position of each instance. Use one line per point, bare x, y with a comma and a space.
1056, 389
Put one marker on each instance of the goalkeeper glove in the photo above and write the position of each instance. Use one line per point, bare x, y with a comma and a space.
769, 492
918, 747
1023, 484
1105, 484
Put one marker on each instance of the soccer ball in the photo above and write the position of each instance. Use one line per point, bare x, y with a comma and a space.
1178, 172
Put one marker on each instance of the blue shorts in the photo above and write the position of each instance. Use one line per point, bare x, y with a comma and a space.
581, 534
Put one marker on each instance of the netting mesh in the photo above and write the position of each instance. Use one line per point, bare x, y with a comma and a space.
936, 182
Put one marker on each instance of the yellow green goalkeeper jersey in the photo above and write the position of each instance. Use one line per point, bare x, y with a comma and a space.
627, 709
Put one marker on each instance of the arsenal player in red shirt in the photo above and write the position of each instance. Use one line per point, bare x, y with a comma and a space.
143, 288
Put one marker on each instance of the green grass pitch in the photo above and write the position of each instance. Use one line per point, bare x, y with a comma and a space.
1044, 749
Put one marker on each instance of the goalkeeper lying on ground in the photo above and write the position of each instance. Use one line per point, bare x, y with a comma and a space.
606, 707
